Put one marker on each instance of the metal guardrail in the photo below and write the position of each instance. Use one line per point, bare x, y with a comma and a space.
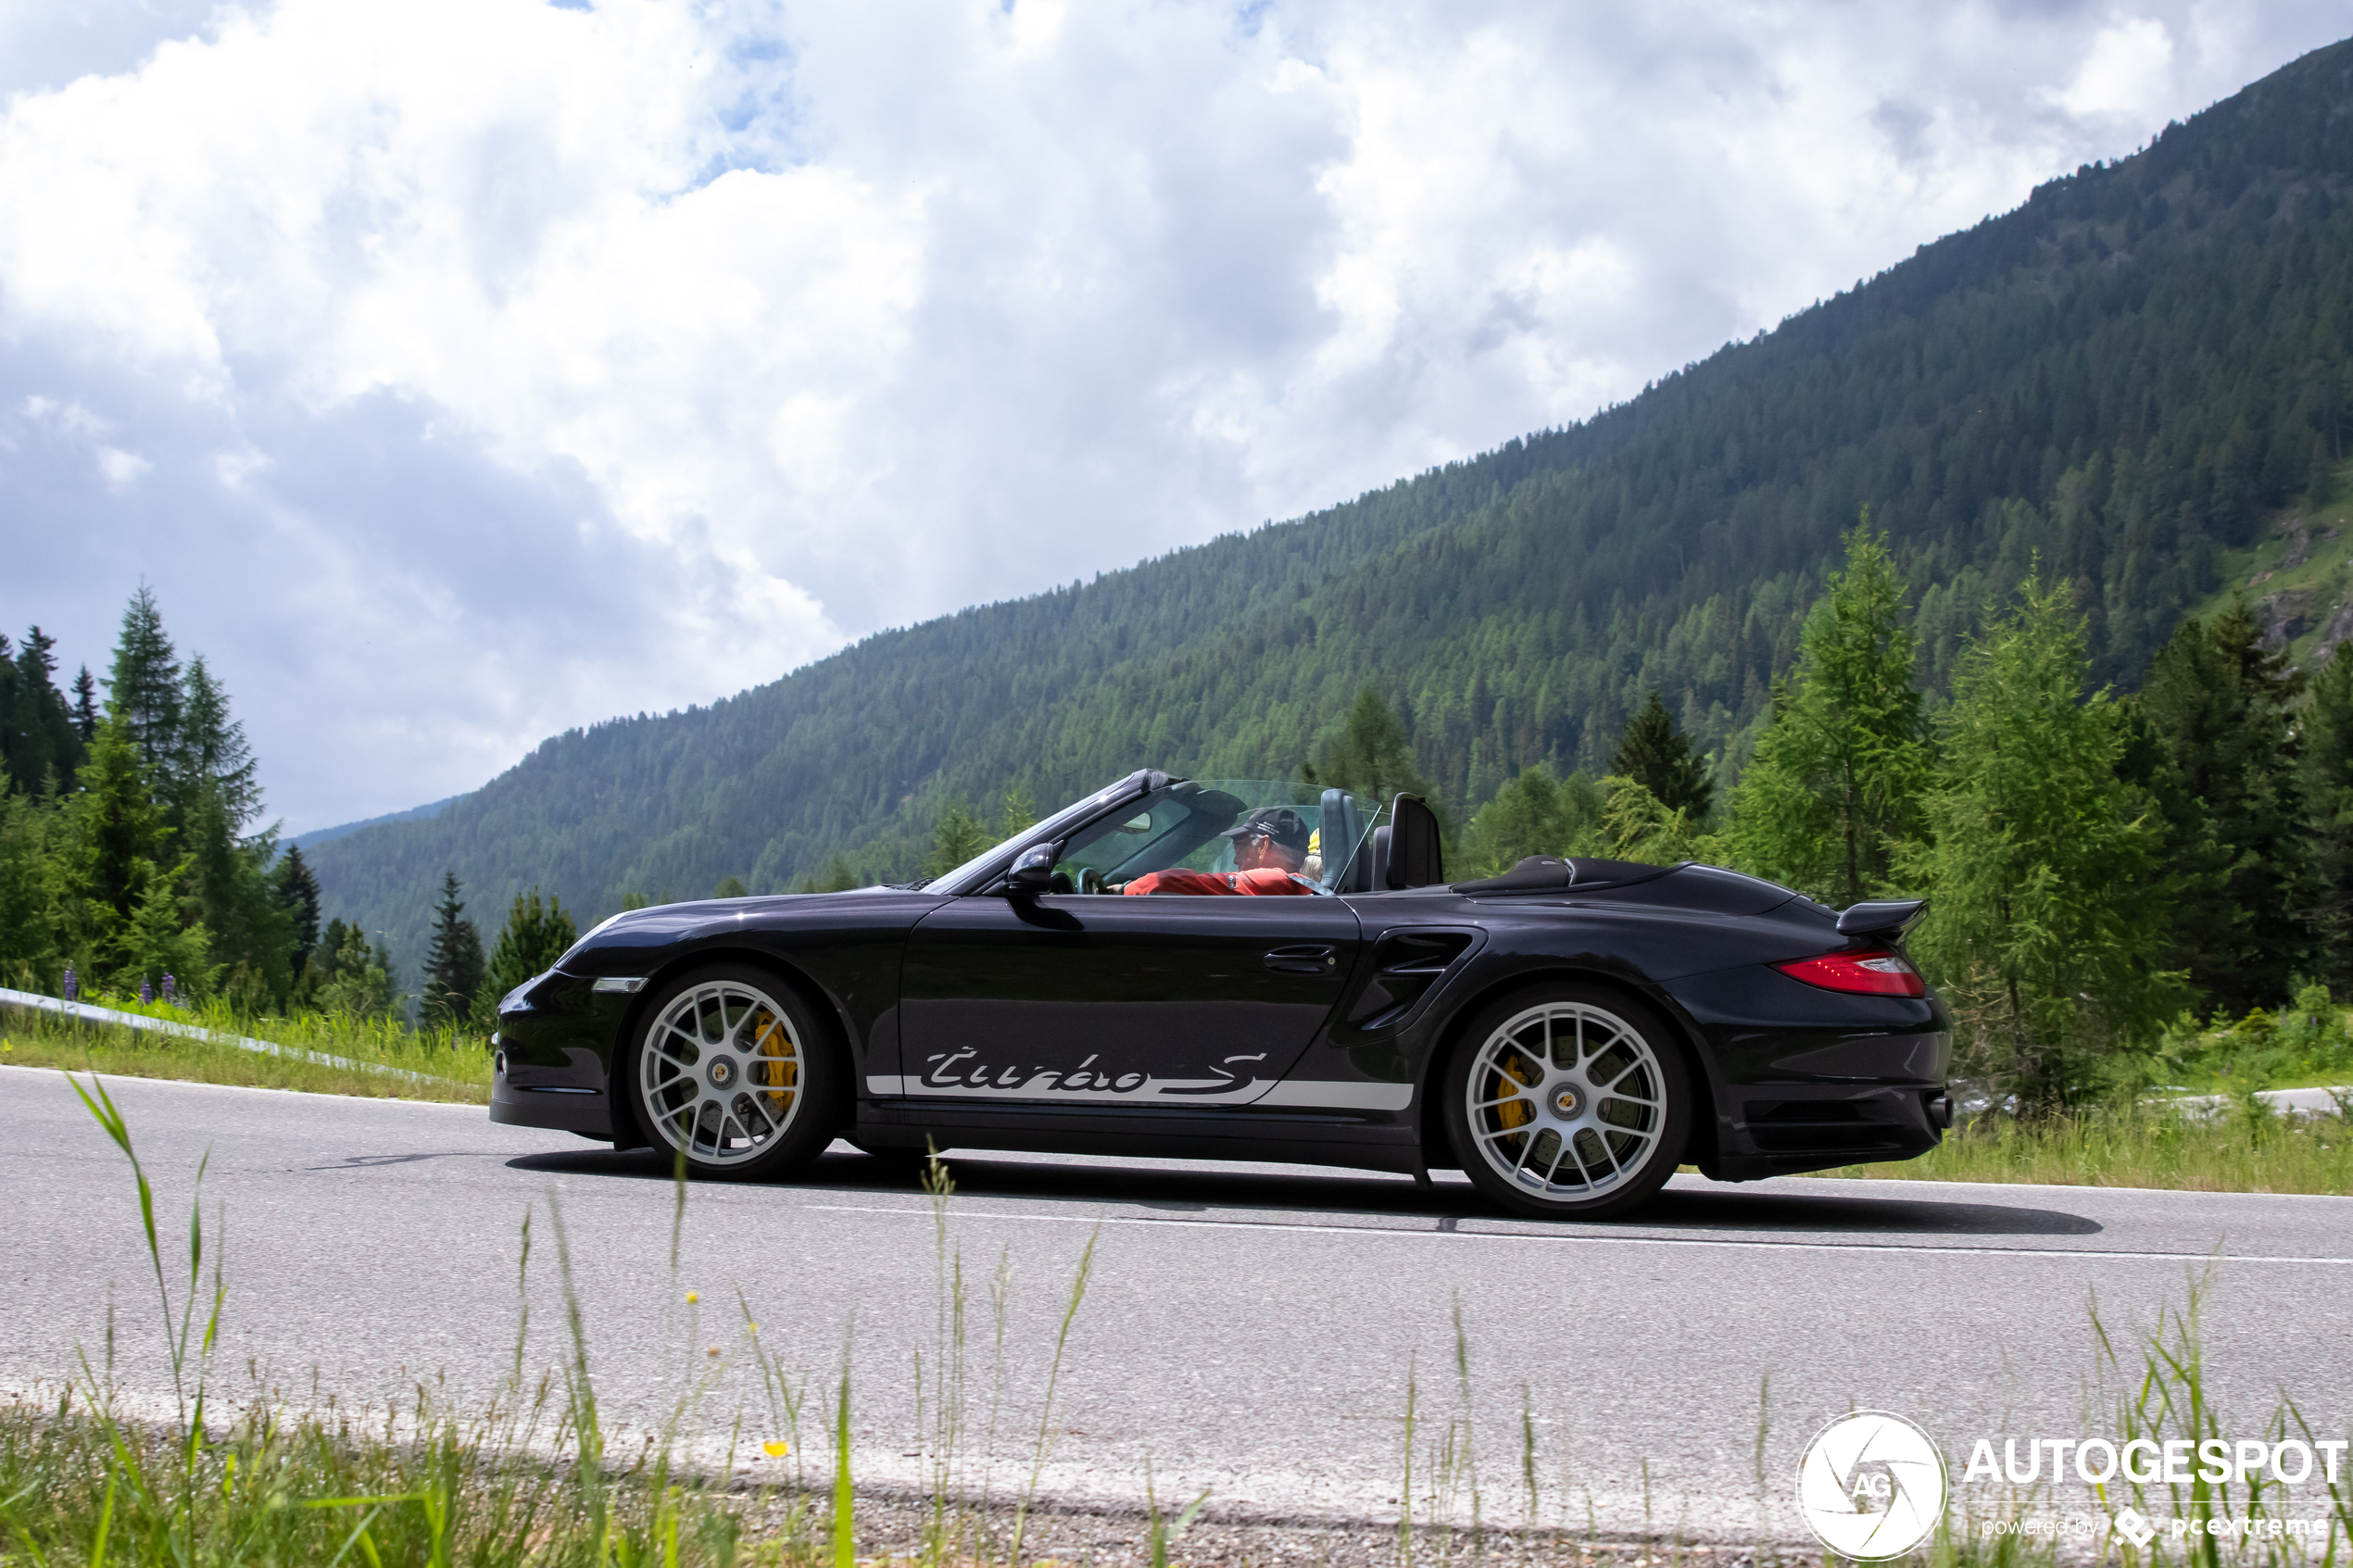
88, 1013
2283, 1102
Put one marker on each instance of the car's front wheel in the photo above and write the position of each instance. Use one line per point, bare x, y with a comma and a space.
730, 1068
1567, 1101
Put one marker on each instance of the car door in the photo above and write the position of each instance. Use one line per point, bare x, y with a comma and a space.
1101, 999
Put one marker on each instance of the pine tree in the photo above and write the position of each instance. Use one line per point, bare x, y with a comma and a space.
2216, 748
117, 836
60, 741
352, 976
1371, 755
1015, 814
211, 796
2046, 931
28, 936
211, 769
956, 837
144, 689
536, 934
297, 889
1658, 757
157, 941
13, 729
2325, 769
454, 963
86, 705
1835, 783
1639, 826
39, 744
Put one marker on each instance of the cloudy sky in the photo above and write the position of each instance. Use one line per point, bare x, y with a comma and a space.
460, 370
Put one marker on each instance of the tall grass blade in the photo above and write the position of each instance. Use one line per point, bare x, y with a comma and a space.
845, 1544
1405, 1488
1053, 1379
581, 1393
1467, 1456
110, 1118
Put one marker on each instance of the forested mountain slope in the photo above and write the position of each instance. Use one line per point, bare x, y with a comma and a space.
2123, 375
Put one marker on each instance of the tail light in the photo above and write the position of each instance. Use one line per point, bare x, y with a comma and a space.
1876, 973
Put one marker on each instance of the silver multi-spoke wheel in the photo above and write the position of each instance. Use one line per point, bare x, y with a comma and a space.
1567, 1100
722, 1072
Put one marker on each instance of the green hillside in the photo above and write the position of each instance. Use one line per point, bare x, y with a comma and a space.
2128, 375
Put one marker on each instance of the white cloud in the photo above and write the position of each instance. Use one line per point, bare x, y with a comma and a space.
464, 369
2126, 72
119, 468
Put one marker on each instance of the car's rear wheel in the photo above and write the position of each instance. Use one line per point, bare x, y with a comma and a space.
1567, 1101
730, 1068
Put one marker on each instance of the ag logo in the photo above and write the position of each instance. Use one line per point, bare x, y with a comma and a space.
1871, 1485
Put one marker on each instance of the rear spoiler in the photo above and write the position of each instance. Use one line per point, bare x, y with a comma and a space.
1890, 919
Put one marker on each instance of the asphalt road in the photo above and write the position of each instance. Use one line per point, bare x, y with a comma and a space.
1249, 1329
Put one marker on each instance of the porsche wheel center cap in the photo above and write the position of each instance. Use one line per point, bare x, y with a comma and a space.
723, 1073
1566, 1101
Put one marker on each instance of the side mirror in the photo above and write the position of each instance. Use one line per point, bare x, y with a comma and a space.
1033, 871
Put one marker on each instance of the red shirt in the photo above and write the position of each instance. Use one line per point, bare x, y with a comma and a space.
1265, 880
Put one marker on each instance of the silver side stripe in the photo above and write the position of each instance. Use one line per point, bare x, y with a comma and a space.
1319, 1095
1298, 1093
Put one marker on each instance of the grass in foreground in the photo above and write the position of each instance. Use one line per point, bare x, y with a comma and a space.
84, 1486
2243, 1147
457, 1068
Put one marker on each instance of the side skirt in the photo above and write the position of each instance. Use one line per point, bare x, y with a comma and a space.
1148, 1134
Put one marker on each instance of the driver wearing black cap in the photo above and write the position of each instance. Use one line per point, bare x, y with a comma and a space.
1270, 847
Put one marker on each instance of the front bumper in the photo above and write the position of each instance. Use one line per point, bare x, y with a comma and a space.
554, 1051
586, 1111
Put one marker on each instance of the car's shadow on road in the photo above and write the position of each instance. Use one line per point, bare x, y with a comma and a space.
1764, 1209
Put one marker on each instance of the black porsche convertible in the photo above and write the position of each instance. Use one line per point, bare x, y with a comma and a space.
1566, 1034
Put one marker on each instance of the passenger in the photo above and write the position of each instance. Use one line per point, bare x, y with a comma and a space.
1270, 848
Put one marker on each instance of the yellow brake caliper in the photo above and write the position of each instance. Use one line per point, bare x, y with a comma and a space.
778, 1065
1517, 1112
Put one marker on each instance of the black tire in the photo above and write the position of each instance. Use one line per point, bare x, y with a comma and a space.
1592, 1132
729, 1061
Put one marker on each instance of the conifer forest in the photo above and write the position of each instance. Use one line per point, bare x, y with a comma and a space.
2015, 577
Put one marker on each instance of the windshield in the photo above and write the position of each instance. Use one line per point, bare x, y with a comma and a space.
1052, 827
1183, 827
1180, 826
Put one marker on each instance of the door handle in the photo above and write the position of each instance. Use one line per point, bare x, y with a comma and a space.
1303, 959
